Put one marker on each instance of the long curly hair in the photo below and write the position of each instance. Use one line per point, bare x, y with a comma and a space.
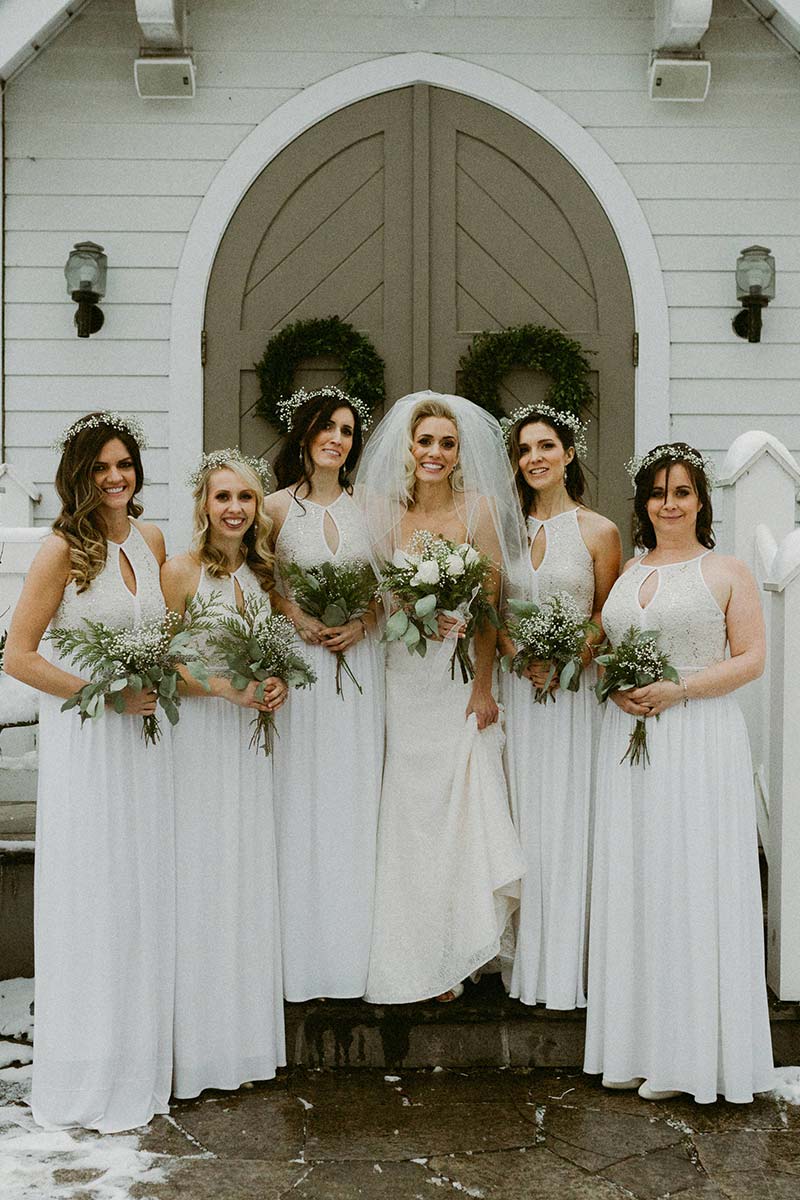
644, 535
293, 464
80, 521
574, 482
255, 542
428, 408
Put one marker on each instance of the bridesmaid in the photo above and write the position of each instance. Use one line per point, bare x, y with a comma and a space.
228, 990
105, 860
550, 746
329, 753
677, 997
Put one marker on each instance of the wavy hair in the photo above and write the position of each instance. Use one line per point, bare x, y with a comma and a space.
80, 522
644, 535
575, 481
255, 542
428, 408
293, 464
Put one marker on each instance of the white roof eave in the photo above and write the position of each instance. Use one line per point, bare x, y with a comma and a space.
25, 24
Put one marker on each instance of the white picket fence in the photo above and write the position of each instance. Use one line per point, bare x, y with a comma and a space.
756, 500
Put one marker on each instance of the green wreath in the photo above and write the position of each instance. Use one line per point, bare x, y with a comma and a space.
493, 354
362, 366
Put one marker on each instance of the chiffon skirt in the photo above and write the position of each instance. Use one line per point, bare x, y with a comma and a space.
328, 762
676, 954
228, 986
104, 916
549, 756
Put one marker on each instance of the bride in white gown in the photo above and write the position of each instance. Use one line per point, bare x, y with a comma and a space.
449, 862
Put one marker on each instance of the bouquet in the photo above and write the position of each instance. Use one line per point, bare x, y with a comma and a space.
436, 576
554, 631
147, 656
636, 662
334, 593
259, 644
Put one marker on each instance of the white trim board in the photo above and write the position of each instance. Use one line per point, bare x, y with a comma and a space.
337, 91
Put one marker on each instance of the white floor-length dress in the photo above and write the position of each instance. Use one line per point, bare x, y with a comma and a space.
228, 985
328, 762
549, 754
105, 890
677, 993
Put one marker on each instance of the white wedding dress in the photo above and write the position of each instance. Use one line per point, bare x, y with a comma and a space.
228, 985
328, 761
105, 889
676, 947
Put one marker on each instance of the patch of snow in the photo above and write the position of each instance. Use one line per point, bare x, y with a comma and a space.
17, 847
15, 1085
19, 762
14, 1052
391, 1079
18, 702
421, 1162
377, 1168
16, 1008
437, 1070
305, 1103
787, 1084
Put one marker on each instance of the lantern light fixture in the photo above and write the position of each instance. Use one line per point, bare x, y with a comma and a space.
85, 272
755, 287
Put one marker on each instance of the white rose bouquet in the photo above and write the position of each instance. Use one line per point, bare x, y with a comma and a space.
437, 576
334, 593
554, 631
147, 656
636, 662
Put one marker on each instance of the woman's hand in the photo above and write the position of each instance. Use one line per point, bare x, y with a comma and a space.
275, 693
623, 700
338, 638
137, 704
308, 628
448, 625
483, 704
246, 698
538, 670
654, 698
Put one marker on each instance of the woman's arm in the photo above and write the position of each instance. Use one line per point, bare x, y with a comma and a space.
604, 544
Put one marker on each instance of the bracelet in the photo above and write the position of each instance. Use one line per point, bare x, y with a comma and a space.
685, 691
363, 625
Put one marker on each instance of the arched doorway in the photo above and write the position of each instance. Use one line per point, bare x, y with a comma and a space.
422, 216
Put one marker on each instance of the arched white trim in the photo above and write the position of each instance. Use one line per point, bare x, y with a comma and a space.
346, 87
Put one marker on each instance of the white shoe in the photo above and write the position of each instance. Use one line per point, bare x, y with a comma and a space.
622, 1085
451, 994
647, 1093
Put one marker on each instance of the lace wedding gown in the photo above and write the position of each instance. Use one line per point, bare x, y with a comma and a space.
328, 761
549, 753
676, 954
228, 986
105, 889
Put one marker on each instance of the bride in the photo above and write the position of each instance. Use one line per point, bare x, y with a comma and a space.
449, 862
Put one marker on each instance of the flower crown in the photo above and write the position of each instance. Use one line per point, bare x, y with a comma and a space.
115, 420
289, 405
675, 452
556, 415
218, 459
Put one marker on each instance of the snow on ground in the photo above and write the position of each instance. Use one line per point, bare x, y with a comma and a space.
787, 1085
16, 1008
18, 702
14, 1052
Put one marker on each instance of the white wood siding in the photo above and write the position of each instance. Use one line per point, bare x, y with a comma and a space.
87, 159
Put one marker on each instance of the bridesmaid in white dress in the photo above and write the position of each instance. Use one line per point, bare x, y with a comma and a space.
677, 997
550, 747
448, 858
329, 749
105, 867
228, 986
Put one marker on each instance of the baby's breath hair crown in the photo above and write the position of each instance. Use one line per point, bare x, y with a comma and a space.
289, 405
674, 452
217, 459
558, 416
115, 420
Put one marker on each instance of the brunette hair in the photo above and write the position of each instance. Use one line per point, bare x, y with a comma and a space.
644, 535
80, 521
293, 464
255, 542
575, 481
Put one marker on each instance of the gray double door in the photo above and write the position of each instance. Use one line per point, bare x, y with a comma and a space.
422, 216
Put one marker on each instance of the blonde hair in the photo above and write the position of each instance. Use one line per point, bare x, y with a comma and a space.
255, 542
428, 408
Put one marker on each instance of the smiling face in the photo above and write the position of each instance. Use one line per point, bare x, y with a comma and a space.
542, 458
329, 447
673, 503
435, 449
114, 474
230, 505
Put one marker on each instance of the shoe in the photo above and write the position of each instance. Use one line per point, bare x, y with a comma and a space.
622, 1085
647, 1093
451, 994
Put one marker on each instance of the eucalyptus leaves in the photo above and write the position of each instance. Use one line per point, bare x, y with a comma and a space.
334, 593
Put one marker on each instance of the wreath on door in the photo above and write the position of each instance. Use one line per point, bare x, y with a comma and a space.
362, 366
493, 354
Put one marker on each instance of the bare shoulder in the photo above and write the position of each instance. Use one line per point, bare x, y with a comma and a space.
727, 569
181, 567
598, 529
53, 556
630, 563
276, 506
154, 538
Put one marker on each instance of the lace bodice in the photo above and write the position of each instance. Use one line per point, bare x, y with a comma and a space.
302, 536
108, 598
691, 624
567, 565
223, 588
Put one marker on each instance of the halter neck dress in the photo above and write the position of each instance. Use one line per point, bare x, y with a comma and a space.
549, 754
104, 905
228, 987
676, 955
328, 763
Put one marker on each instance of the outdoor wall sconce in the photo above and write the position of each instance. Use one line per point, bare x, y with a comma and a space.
85, 273
755, 287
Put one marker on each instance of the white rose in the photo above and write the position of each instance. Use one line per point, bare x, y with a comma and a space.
454, 565
427, 572
471, 556
399, 559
